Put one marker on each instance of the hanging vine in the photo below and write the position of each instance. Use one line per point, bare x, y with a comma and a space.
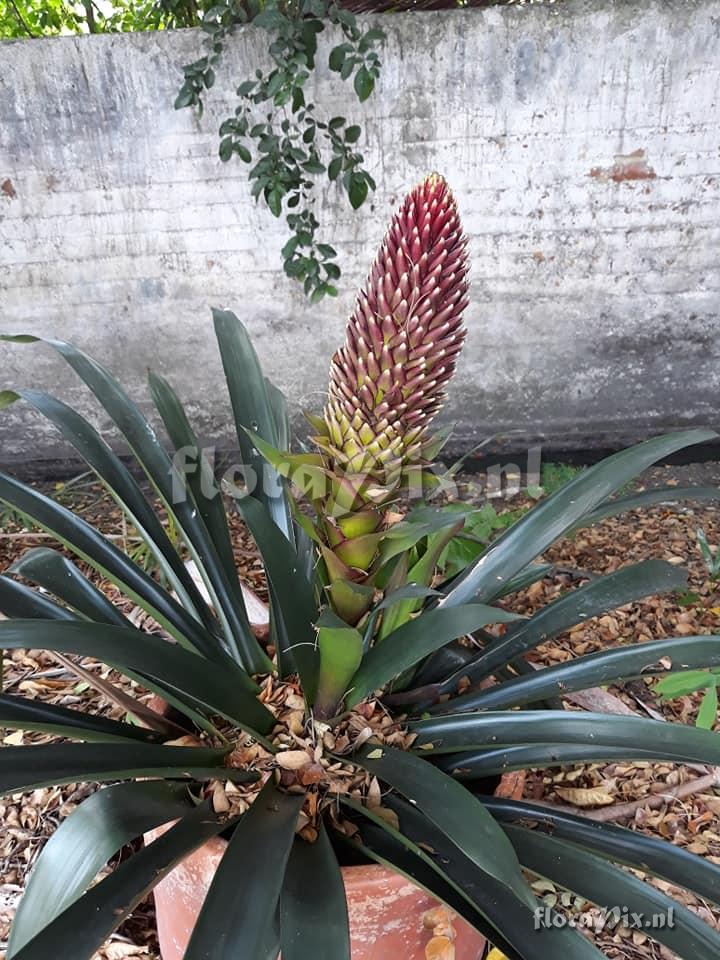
289, 147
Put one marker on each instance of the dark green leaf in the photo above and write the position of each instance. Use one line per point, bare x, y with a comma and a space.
104, 556
630, 847
169, 484
417, 638
82, 845
213, 687
313, 916
363, 83
647, 498
374, 35
19, 601
27, 768
236, 915
490, 761
291, 595
201, 480
85, 925
274, 201
596, 597
252, 410
358, 191
18, 713
531, 574
452, 809
59, 575
337, 57
687, 935
474, 731
595, 670
530, 536
126, 492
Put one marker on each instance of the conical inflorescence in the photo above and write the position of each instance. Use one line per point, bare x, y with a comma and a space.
387, 382
402, 341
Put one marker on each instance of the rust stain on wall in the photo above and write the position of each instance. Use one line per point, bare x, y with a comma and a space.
8, 189
630, 166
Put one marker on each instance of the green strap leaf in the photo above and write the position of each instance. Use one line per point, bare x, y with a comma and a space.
291, 595
166, 666
619, 844
313, 915
475, 731
254, 408
532, 534
19, 601
394, 851
126, 492
596, 597
85, 541
419, 523
492, 761
237, 915
452, 809
200, 478
18, 713
281, 416
59, 575
595, 670
512, 919
422, 572
648, 498
417, 638
27, 768
596, 880
340, 648
82, 845
87, 923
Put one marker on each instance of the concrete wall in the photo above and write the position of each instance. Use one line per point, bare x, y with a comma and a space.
582, 142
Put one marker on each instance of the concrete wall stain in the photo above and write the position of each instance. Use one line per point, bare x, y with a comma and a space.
627, 167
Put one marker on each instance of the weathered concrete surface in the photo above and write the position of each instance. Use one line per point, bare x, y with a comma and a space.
581, 140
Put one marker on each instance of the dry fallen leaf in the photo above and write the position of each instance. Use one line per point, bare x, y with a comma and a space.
711, 802
585, 796
389, 816
292, 759
119, 951
440, 948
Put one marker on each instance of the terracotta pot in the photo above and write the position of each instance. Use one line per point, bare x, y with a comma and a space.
386, 911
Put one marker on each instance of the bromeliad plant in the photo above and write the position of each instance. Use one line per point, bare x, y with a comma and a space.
376, 671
